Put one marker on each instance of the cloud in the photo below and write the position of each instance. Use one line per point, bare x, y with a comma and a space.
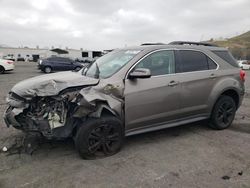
105, 24
40, 5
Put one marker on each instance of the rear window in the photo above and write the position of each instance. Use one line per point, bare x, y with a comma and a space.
226, 56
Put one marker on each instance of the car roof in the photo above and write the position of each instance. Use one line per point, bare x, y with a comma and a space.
170, 46
58, 57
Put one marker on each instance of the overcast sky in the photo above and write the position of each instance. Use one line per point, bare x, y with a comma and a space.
107, 24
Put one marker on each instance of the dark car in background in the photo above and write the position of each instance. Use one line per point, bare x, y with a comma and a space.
58, 64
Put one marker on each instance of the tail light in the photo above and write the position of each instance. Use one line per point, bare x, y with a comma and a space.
10, 62
242, 75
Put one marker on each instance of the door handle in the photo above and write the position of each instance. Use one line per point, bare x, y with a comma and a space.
212, 76
173, 83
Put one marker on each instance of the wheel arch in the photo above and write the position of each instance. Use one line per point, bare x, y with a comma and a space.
78, 66
100, 110
231, 92
234, 94
2, 67
229, 86
103, 109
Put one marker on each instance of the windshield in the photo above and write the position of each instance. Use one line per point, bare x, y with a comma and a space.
110, 63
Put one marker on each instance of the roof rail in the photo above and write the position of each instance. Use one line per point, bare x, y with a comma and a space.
192, 43
157, 43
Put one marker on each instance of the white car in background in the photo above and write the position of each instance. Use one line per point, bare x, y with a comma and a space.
244, 64
6, 65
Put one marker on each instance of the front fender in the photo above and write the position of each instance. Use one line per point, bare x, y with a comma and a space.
100, 109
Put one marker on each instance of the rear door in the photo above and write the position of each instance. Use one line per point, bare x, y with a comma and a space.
55, 63
155, 100
68, 64
197, 75
64, 64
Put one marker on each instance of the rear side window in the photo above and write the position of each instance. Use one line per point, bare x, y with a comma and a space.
51, 59
67, 60
226, 56
63, 60
192, 61
211, 63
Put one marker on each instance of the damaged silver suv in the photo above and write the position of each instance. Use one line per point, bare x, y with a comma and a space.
130, 91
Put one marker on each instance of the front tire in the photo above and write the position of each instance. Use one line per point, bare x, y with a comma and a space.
77, 69
99, 137
1, 70
47, 69
223, 113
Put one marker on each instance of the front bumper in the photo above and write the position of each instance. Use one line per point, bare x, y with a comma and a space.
14, 117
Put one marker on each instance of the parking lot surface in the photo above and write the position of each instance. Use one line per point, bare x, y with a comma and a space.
187, 156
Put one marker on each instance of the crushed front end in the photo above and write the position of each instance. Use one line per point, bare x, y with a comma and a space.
56, 116
51, 116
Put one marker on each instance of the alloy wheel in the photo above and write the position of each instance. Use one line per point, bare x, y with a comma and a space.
47, 70
225, 113
103, 140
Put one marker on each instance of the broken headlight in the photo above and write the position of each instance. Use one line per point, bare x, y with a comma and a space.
16, 101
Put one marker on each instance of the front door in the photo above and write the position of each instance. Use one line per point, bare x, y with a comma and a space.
155, 100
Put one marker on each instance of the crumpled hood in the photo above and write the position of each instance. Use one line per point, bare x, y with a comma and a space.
52, 84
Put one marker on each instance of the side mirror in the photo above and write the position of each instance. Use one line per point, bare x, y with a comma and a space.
140, 73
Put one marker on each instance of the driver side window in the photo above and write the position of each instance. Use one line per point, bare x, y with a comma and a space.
159, 63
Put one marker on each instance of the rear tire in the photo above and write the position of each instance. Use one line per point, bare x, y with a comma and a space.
223, 113
47, 69
77, 68
1, 70
99, 137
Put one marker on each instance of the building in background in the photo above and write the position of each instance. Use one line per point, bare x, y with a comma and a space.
33, 54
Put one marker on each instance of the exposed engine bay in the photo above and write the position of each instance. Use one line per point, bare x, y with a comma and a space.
53, 110
42, 114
